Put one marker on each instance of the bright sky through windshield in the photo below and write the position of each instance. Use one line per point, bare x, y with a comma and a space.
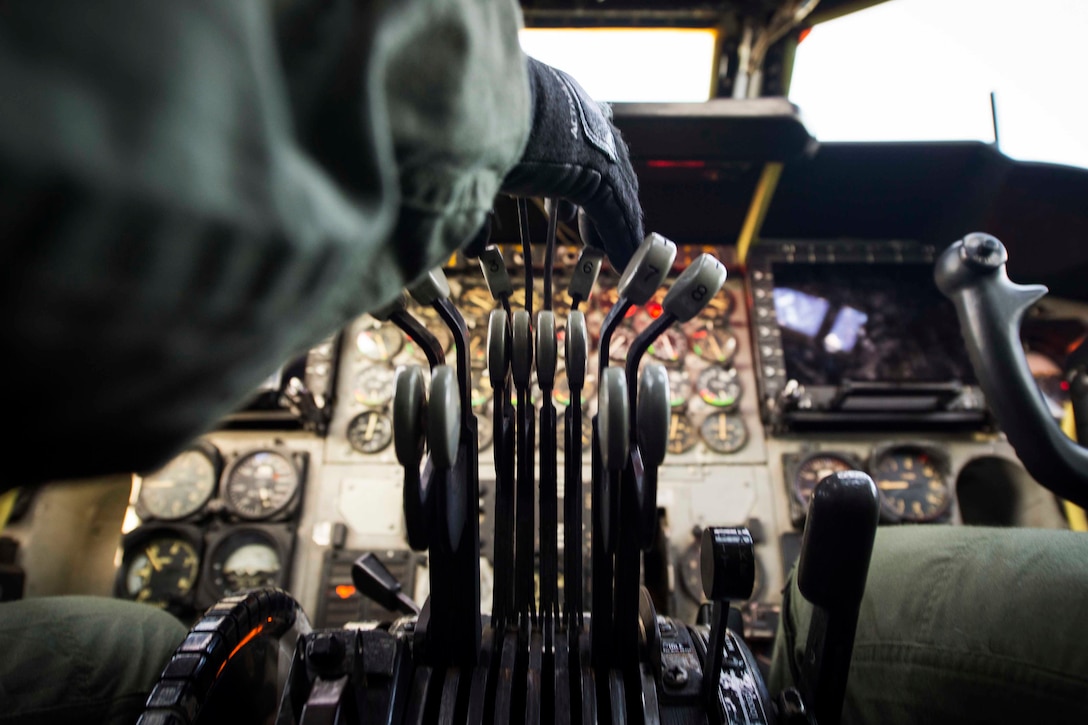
924, 69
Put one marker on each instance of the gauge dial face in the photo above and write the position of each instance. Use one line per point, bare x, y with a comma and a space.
622, 338
720, 307
180, 488
671, 347
370, 432
679, 387
715, 344
719, 387
912, 484
373, 387
724, 432
261, 484
682, 433
379, 344
245, 560
161, 571
814, 469
476, 302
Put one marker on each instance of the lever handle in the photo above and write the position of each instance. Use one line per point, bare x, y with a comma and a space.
989, 305
498, 349
409, 435
576, 354
444, 417
495, 274
521, 357
430, 288
831, 573
374, 581
613, 417
386, 311
647, 269
694, 288
586, 271
546, 349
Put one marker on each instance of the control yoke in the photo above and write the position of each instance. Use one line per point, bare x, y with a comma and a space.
990, 306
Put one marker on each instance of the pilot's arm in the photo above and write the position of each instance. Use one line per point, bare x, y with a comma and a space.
192, 191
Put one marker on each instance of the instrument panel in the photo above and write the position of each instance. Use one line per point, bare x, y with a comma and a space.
256, 507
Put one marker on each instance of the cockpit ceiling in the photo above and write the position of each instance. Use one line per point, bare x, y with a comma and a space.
669, 13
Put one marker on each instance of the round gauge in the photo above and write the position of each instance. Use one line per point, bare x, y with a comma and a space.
679, 387
440, 332
370, 432
912, 484
477, 349
719, 387
715, 344
1052, 384
161, 570
245, 560
485, 431
373, 386
671, 347
481, 388
720, 307
724, 432
561, 394
622, 338
261, 484
682, 433
379, 344
476, 302
182, 486
813, 469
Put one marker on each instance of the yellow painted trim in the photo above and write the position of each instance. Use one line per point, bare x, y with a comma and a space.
1075, 515
7, 503
757, 210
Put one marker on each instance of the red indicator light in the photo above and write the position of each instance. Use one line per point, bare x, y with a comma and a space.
803, 35
1065, 385
673, 164
631, 312
654, 310
344, 590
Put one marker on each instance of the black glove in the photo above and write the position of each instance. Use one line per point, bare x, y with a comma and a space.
575, 153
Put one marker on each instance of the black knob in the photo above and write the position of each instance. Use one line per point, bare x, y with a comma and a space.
728, 564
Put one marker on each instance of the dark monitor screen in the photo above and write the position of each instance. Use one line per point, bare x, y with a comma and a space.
861, 322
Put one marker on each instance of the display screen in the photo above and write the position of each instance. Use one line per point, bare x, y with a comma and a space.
867, 323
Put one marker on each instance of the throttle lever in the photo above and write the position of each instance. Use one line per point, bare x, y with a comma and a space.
409, 436
990, 306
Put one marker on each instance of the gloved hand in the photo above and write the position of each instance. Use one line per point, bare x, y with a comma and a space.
576, 153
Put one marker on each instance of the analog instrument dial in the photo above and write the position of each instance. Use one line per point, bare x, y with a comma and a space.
622, 338
373, 387
682, 433
476, 302
261, 484
715, 345
912, 484
182, 486
719, 387
679, 387
814, 469
720, 307
671, 347
245, 560
370, 432
379, 344
161, 571
724, 432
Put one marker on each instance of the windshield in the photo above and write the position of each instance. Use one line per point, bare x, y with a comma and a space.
914, 70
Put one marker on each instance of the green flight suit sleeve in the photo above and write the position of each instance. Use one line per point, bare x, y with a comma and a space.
192, 191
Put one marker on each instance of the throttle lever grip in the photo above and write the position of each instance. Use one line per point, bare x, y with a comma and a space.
990, 306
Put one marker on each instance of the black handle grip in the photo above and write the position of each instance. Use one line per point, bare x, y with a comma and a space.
990, 306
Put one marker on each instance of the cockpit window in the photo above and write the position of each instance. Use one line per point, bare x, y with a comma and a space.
923, 70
